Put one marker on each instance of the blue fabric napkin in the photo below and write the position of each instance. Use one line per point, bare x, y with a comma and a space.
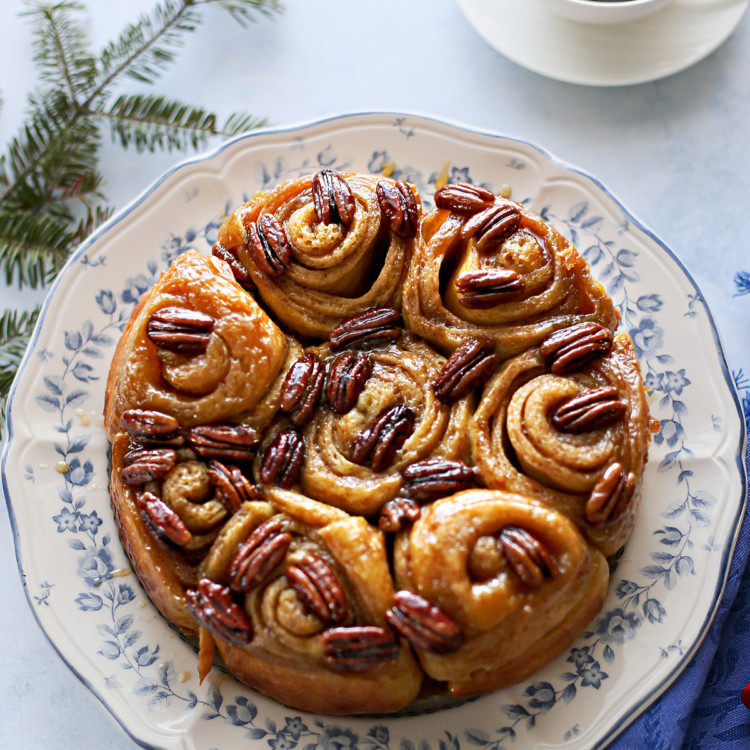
702, 709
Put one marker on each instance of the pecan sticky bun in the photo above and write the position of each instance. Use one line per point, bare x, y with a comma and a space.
575, 435
323, 247
492, 586
362, 504
490, 268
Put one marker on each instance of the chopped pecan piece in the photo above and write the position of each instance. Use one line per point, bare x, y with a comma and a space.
379, 442
398, 513
470, 366
333, 198
229, 442
483, 289
146, 465
180, 330
268, 245
493, 226
425, 625
529, 559
589, 410
212, 606
282, 459
372, 327
573, 348
239, 269
464, 197
258, 556
348, 374
611, 495
151, 426
232, 487
359, 648
319, 589
433, 478
162, 520
399, 207
302, 388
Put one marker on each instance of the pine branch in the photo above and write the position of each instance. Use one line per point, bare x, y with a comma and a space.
151, 122
146, 48
61, 52
15, 331
244, 11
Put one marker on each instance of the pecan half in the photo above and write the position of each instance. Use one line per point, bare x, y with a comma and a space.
319, 589
359, 648
379, 442
372, 327
232, 487
268, 245
151, 426
162, 520
229, 442
433, 478
589, 410
529, 559
425, 625
282, 459
493, 226
573, 348
258, 556
482, 289
146, 465
398, 513
301, 389
348, 374
180, 330
399, 207
333, 198
610, 496
212, 606
464, 197
239, 269
470, 366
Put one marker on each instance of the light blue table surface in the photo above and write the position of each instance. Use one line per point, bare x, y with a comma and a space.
676, 152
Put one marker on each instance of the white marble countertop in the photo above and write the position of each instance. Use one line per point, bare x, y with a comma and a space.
676, 152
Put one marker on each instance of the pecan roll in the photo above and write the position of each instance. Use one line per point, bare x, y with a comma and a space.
517, 582
353, 459
500, 273
348, 248
554, 437
314, 585
241, 352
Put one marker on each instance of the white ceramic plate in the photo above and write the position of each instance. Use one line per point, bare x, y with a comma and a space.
666, 586
666, 42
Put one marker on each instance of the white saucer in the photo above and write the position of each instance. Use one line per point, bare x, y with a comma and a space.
671, 40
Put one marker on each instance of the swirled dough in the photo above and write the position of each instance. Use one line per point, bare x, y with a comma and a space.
516, 447
509, 628
335, 272
559, 289
402, 374
245, 351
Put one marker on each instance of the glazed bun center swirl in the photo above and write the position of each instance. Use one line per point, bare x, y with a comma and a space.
399, 384
568, 462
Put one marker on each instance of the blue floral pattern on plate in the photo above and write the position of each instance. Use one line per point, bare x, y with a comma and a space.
80, 584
